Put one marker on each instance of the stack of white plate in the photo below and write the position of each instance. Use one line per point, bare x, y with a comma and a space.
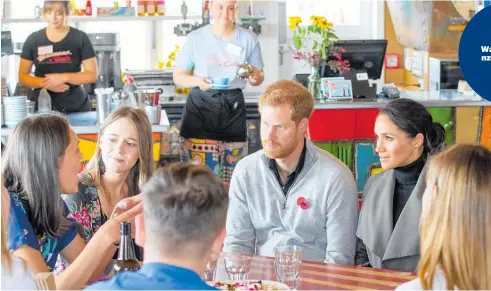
4, 87
14, 110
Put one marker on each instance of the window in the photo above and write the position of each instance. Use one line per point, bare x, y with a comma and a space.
346, 12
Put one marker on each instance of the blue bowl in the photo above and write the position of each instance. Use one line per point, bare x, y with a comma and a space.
219, 81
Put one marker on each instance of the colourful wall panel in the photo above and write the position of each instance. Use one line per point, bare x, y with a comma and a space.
365, 123
467, 124
444, 115
332, 124
342, 151
88, 144
365, 158
486, 127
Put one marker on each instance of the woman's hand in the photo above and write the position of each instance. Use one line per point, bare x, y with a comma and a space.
59, 89
127, 210
204, 85
127, 204
53, 80
257, 76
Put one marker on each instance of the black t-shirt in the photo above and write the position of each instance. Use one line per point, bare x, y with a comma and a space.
65, 56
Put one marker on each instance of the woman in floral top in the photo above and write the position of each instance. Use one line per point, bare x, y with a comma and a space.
41, 161
121, 164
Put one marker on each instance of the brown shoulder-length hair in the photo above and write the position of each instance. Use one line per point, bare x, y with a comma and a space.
142, 170
61, 6
456, 228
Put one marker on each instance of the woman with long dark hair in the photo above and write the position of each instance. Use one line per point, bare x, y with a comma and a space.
41, 161
388, 225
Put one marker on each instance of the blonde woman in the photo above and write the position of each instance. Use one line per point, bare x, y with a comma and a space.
15, 273
41, 161
455, 222
122, 163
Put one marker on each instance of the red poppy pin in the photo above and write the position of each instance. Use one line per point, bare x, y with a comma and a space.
302, 202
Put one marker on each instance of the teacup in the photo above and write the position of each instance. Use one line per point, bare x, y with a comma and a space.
219, 81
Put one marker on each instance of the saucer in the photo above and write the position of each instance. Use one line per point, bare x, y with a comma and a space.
218, 87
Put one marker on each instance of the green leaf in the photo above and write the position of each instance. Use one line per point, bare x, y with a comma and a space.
323, 53
297, 42
316, 44
331, 35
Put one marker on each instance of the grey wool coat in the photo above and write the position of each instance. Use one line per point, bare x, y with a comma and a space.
378, 242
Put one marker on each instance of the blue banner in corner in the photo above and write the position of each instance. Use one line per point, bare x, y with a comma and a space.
475, 53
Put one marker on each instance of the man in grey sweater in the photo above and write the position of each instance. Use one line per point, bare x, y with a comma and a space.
291, 192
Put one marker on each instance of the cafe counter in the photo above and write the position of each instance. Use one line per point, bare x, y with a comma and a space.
86, 127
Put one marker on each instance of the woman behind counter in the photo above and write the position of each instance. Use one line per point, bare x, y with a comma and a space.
58, 51
213, 128
388, 227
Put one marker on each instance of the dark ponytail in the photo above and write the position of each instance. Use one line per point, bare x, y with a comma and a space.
413, 118
435, 139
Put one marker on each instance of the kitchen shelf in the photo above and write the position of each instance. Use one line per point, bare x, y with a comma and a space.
103, 18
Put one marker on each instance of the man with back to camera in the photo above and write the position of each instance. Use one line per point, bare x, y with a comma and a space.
291, 192
184, 211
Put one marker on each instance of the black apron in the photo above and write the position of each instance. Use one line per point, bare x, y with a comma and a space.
73, 100
215, 114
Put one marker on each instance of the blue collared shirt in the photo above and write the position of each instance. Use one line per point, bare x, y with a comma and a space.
154, 276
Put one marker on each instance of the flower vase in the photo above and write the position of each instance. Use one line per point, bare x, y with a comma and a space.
315, 84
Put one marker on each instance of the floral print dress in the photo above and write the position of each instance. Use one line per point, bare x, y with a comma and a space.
85, 208
21, 233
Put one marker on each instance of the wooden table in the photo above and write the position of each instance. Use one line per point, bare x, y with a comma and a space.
321, 276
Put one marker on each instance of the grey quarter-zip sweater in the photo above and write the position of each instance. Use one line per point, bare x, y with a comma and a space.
261, 217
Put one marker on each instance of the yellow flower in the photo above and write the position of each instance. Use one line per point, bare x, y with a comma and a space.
294, 21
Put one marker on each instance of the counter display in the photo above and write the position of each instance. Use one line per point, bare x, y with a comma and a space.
343, 128
86, 127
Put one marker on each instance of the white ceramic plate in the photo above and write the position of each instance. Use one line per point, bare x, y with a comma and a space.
270, 285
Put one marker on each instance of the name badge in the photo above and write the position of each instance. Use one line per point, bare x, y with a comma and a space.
44, 50
234, 49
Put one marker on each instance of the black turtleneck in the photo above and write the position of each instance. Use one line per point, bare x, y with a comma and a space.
406, 179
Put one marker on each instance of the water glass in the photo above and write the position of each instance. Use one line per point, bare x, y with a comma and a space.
237, 266
288, 260
210, 271
31, 107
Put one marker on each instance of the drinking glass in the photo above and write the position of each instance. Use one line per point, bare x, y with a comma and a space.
237, 266
210, 271
288, 260
31, 107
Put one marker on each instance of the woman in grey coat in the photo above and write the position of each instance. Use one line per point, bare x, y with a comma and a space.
388, 226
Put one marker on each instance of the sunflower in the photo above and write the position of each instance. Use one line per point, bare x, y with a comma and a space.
294, 21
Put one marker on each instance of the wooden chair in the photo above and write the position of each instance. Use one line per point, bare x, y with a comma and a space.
45, 281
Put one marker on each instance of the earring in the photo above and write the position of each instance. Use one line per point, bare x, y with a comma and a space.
102, 167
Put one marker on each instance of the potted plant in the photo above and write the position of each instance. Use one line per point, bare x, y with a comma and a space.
312, 44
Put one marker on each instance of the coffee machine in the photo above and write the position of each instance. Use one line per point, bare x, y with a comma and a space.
108, 55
